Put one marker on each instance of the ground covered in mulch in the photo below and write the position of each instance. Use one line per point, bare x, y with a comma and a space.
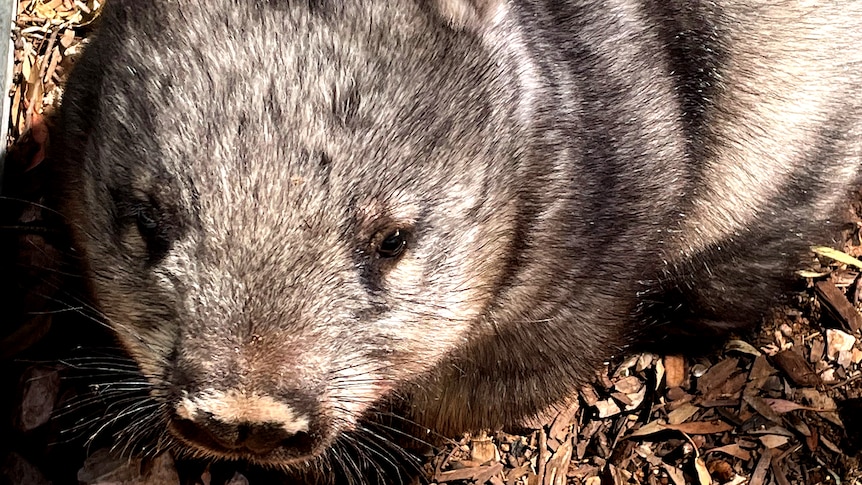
782, 405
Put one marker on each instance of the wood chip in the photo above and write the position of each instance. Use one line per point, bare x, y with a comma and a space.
838, 342
490, 472
818, 346
558, 465
674, 371
237, 479
796, 368
38, 394
16, 468
588, 393
563, 421
472, 473
103, 467
483, 450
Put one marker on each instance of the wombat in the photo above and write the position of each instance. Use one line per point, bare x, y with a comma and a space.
298, 216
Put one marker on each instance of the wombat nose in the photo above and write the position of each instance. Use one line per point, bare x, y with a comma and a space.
244, 437
241, 423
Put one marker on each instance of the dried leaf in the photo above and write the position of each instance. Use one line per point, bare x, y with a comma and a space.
682, 413
702, 473
837, 255
607, 408
652, 427
675, 474
812, 274
733, 450
700, 427
742, 347
773, 440
782, 406
717, 374
761, 406
759, 475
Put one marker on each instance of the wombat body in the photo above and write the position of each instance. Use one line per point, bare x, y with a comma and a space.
297, 214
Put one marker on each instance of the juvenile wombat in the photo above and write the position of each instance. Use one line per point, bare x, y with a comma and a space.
292, 213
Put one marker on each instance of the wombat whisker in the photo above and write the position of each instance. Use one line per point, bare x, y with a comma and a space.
107, 367
344, 460
138, 431
112, 355
112, 366
365, 430
79, 403
412, 423
355, 365
402, 433
367, 373
39, 205
103, 412
57, 311
107, 374
401, 459
91, 313
369, 445
137, 407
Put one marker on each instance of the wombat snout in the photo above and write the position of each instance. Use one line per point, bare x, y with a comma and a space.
250, 437
248, 424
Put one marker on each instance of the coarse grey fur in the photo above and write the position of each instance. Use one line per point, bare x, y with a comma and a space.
570, 178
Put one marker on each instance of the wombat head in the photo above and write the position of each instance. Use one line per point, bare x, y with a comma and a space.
288, 211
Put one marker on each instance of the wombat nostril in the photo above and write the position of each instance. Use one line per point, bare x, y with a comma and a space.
263, 438
238, 423
243, 437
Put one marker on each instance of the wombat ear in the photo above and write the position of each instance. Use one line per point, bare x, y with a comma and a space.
472, 15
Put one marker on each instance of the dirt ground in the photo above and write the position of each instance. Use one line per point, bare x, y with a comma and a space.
781, 405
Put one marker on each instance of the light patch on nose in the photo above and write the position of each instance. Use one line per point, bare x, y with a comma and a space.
237, 407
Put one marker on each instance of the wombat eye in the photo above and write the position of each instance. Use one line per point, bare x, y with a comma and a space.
392, 245
152, 232
146, 222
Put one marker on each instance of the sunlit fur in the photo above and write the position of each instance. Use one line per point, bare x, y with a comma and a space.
573, 178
